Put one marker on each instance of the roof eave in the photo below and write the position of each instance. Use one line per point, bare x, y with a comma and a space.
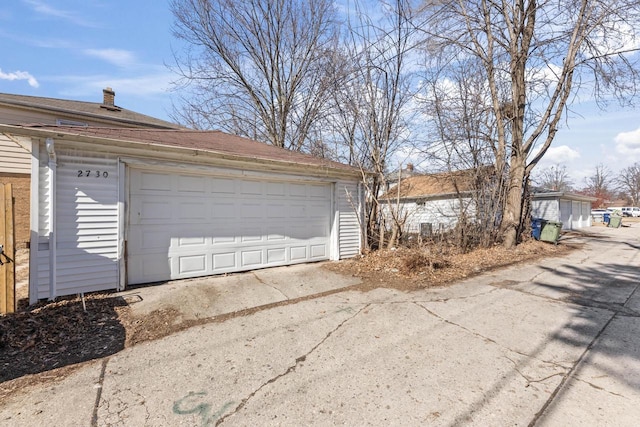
140, 148
98, 117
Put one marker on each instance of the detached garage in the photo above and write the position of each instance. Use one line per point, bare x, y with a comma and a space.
573, 210
112, 207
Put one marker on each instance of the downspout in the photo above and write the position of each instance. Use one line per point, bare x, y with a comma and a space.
363, 227
49, 143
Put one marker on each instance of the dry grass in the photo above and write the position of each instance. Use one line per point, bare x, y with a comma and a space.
409, 269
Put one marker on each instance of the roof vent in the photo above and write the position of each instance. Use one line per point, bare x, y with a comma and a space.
109, 99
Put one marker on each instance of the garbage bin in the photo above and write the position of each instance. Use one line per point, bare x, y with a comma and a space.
606, 217
615, 221
536, 228
550, 231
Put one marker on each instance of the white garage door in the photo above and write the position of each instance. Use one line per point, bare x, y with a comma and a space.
188, 226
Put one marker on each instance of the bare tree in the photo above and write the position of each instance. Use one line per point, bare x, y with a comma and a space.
554, 177
256, 68
599, 185
629, 180
463, 134
371, 95
535, 56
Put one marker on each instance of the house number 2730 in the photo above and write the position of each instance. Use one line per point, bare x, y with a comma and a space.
90, 173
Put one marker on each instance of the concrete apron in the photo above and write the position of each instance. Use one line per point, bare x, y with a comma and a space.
548, 344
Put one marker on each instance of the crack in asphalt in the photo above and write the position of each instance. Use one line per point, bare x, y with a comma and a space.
599, 388
96, 405
491, 340
416, 301
569, 374
573, 370
291, 368
267, 284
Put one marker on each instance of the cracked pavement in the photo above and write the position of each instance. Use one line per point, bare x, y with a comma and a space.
547, 344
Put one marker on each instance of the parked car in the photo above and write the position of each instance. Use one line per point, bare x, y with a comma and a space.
598, 214
633, 211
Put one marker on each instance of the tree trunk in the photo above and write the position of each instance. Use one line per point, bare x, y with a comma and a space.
513, 203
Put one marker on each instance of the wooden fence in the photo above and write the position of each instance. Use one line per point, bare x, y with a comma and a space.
7, 254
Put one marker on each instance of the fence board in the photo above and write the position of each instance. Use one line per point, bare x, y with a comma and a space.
7, 240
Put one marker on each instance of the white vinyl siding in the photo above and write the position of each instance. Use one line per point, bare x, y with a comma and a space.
40, 249
573, 214
185, 225
86, 225
586, 214
349, 204
442, 214
546, 209
15, 154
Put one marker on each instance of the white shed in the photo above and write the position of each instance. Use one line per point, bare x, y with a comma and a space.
573, 210
113, 207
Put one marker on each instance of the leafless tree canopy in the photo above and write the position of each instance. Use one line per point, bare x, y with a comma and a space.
553, 177
629, 180
255, 67
369, 116
495, 82
534, 58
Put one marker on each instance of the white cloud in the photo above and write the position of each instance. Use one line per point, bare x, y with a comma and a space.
628, 144
118, 57
149, 84
558, 155
42, 8
19, 75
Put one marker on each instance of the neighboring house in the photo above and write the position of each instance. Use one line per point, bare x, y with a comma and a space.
114, 207
430, 202
392, 178
15, 150
573, 210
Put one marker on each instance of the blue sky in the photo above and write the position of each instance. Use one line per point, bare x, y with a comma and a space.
72, 49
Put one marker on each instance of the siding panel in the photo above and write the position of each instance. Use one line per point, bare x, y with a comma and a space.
349, 207
15, 155
86, 224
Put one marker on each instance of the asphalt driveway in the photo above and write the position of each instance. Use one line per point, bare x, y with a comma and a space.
552, 344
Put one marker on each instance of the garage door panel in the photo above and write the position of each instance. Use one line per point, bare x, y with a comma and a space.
319, 191
276, 255
318, 251
154, 182
192, 184
251, 210
192, 210
184, 242
275, 189
225, 210
298, 190
192, 264
152, 209
223, 186
298, 253
189, 226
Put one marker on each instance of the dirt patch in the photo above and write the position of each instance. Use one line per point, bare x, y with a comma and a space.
44, 342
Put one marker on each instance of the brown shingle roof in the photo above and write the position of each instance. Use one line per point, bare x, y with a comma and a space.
433, 185
207, 141
94, 110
